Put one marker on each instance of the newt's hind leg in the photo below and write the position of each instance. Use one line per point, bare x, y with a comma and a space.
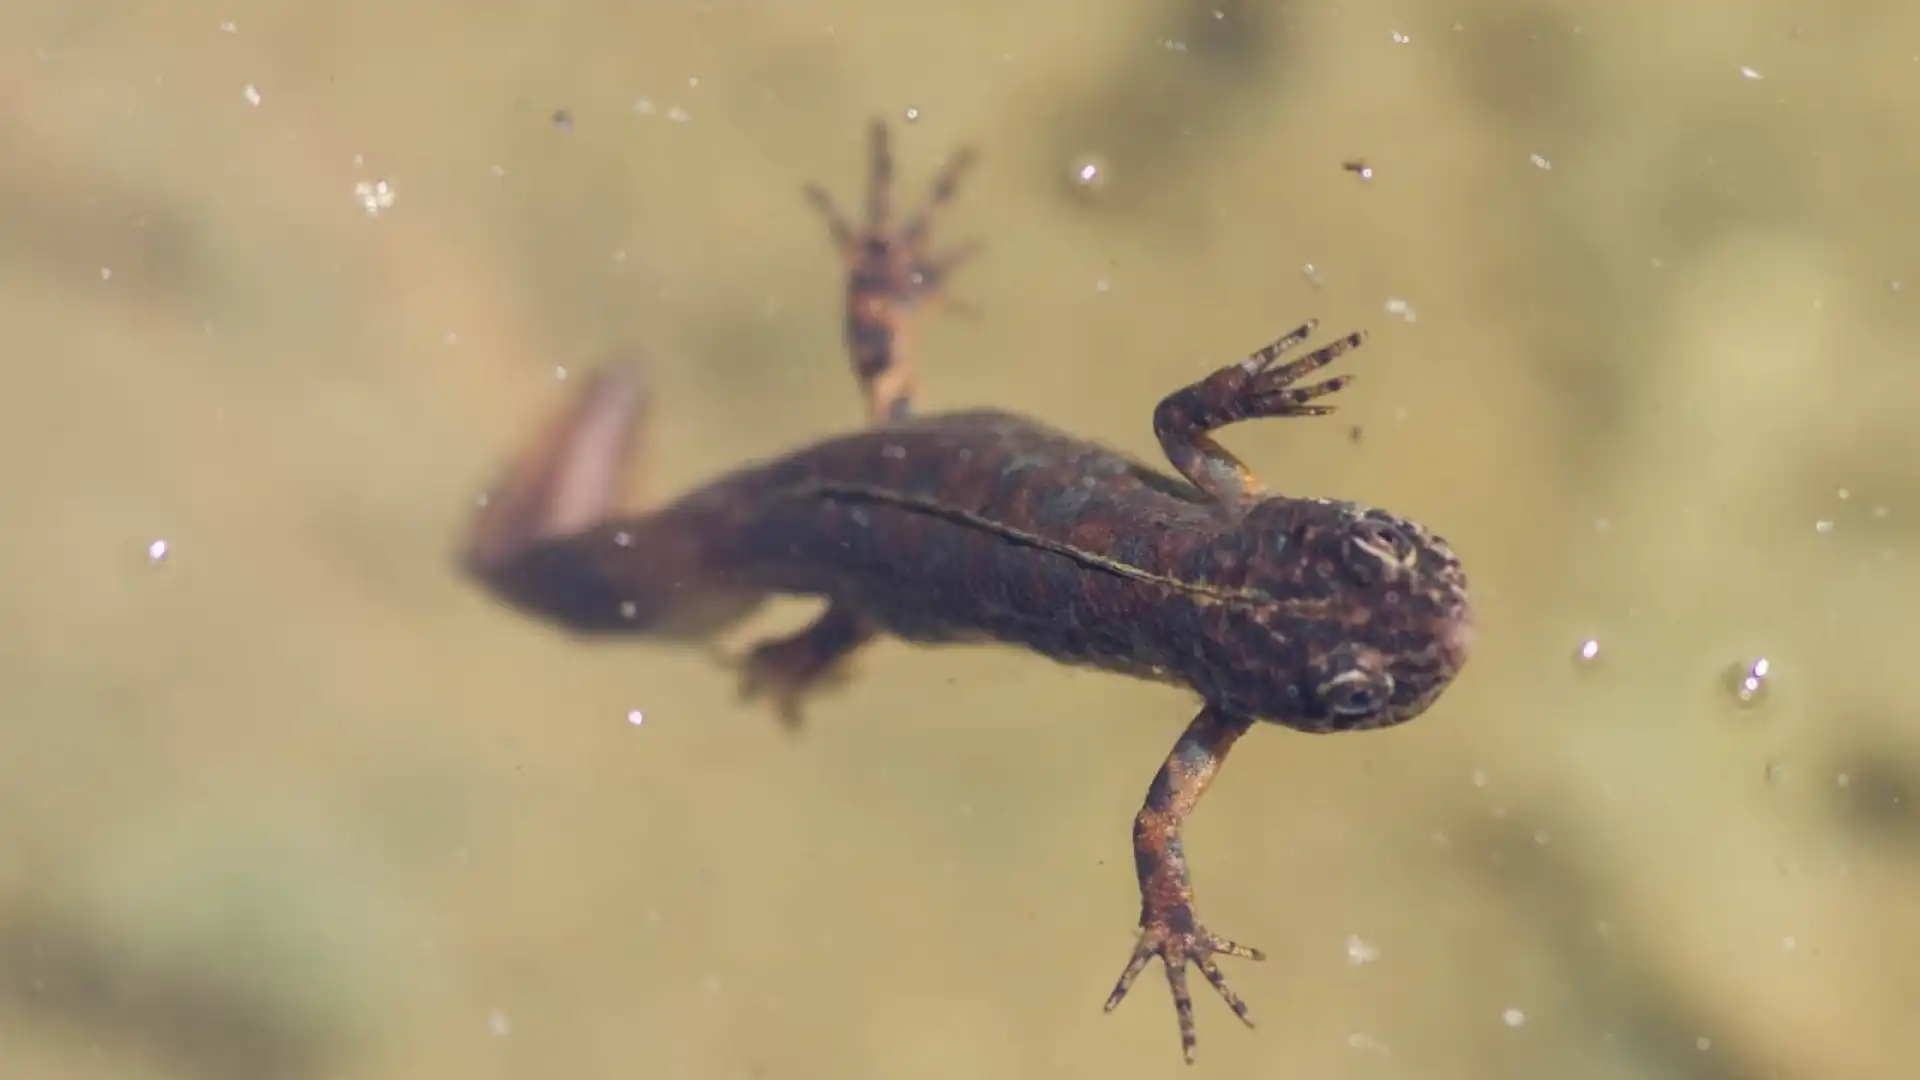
1247, 390
787, 669
890, 272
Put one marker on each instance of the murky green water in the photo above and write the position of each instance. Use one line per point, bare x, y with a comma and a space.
291, 800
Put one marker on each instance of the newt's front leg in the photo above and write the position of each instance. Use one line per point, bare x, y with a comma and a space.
1169, 928
1247, 390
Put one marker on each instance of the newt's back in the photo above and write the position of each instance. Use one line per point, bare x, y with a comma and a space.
969, 526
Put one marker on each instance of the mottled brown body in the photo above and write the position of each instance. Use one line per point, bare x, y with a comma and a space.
986, 526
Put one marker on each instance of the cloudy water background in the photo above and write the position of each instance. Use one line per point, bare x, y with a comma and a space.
281, 284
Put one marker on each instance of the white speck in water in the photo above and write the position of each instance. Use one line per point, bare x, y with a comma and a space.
452, 337
1542, 838
559, 373
629, 610
1513, 1018
1400, 38
374, 196
106, 273
482, 500
1089, 174
251, 94
1789, 943
1102, 285
623, 538
1174, 45
229, 27
1540, 162
1360, 950
498, 1024
1588, 652
1843, 494
1748, 683
1749, 73
679, 115
1400, 309
1313, 275
1368, 1044
644, 106
157, 551
1843, 781
912, 114
1879, 511
1703, 1044
1479, 778
1823, 526
635, 717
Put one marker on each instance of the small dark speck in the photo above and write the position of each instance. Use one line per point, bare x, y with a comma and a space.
1355, 434
562, 120
1358, 168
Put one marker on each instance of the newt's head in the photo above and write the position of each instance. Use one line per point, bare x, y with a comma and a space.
1364, 616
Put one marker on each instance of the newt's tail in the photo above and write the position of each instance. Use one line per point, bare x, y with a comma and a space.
553, 539
569, 478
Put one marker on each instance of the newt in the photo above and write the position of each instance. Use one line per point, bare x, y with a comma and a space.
984, 526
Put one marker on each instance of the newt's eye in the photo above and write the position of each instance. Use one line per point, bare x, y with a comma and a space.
1378, 550
1356, 693
1351, 682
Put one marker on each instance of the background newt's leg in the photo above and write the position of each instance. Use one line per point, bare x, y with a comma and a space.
1169, 929
889, 272
1247, 390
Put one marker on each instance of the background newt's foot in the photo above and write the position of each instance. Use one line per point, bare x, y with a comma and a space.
1172, 936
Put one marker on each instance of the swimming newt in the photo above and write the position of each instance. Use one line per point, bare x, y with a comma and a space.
986, 526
